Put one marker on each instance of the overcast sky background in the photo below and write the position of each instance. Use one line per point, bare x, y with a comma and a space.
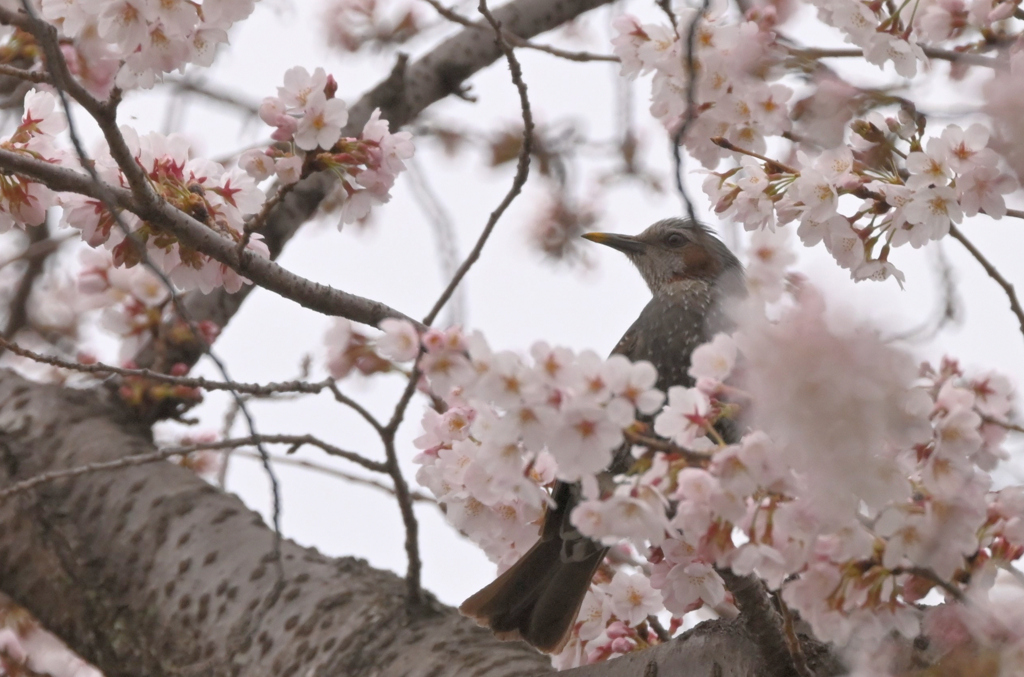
513, 295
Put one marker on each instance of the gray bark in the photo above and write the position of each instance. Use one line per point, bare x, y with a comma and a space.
149, 570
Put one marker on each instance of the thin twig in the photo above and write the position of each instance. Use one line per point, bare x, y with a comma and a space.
42, 248
522, 168
257, 222
296, 441
932, 577
654, 624
690, 115
340, 474
21, 74
254, 389
54, 475
17, 311
930, 52
1003, 424
694, 458
444, 234
225, 459
992, 272
402, 493
725, 143
214, 94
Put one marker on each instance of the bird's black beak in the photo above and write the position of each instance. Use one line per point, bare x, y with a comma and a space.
626, 244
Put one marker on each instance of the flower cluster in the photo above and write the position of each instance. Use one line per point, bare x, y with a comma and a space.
915, 190
132, 301
880, 33
613, 620
217, 197
513, 426
857, 489
147, 39
349, 349
736, 92
24, 202
306, 114
913, 187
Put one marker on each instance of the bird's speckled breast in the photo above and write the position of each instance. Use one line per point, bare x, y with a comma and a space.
668, 330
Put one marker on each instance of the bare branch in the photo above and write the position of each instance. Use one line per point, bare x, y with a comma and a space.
522, 168
931, 52
254, 389
295, 441
102, 466
340, 474
992, 272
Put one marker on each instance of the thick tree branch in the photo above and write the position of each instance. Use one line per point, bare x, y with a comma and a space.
149, 570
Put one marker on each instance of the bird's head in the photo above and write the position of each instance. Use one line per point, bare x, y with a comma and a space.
675, 255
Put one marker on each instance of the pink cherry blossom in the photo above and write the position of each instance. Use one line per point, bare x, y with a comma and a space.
321, 122
682, 420
400, 342
632, 598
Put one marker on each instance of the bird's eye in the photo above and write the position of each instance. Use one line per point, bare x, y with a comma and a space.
675, 239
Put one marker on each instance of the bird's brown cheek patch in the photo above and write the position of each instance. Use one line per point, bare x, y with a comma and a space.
698, 262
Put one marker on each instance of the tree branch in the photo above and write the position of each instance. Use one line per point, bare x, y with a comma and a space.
191, 233
153, 571
340, 474
992, 272
402, 96
522, 168
931, 52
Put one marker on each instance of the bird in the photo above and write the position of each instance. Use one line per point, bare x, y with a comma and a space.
692, 277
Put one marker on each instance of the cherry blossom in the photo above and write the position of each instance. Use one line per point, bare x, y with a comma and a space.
632, 598
307, 114
400, 341
683, 418
148, 39
217, 197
